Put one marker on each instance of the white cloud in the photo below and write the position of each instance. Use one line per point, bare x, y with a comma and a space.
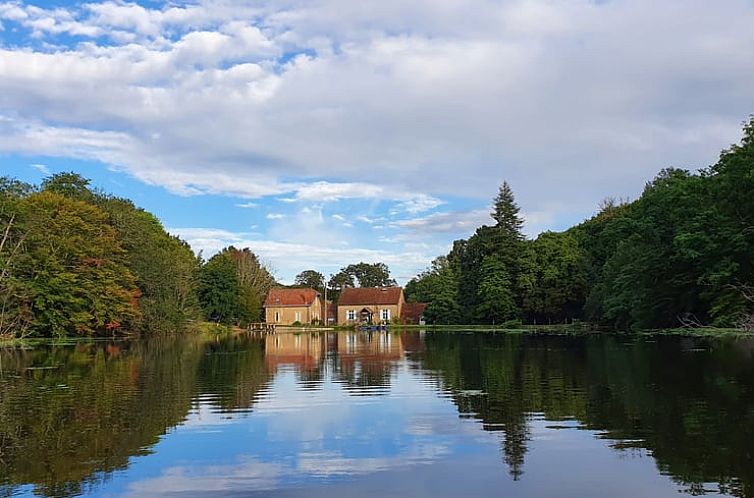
248, 205
41, 168
451, 222
312, 250
406, 102
275, 216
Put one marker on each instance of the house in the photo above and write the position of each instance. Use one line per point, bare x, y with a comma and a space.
370, 305
288, 306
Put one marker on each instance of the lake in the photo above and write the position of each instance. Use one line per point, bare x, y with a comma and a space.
409, 414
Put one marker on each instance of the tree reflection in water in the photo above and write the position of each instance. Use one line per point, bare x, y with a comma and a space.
71, 415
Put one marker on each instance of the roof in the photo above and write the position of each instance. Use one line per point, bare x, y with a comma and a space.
358, 296
290, 297
412, 312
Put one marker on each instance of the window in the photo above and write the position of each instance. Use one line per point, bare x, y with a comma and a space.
385, 315
350, 315
277, 316
297, 316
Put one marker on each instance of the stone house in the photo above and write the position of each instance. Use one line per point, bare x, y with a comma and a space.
370, 305
287, 306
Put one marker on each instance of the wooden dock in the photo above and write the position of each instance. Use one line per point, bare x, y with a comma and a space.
267, 328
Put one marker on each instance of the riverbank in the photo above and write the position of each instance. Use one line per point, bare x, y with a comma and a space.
582, 329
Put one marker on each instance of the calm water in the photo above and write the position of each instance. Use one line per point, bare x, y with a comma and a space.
356, 414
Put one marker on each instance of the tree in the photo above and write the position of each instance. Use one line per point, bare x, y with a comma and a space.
553, 278
436, 286
219, 290
165, 267
254, 281
370, 275
14, 321
233, 285
338, 282
499, 247
495, 293
78, 282
68, 184
310, 279
506, 213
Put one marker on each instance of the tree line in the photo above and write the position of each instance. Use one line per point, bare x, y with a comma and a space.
682, 254
75, 261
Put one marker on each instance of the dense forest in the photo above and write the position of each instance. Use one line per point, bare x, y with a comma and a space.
78, 262
682, 254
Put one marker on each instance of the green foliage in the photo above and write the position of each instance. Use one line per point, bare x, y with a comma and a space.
553, 278
233, 284
486, 265
74, 268
69, 184
438, 287
79, 262
366, 274
680, 255
495, 292
370, 275
506, 212
310, 279
15, 318
219, 290
165, 267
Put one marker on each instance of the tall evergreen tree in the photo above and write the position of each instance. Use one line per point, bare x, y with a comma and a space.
505, 212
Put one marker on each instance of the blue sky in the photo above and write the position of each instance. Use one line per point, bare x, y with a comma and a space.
325, 132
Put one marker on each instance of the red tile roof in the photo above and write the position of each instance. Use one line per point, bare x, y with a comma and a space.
290, 297
358, 296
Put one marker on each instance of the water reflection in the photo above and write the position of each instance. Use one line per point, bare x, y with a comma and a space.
347, 413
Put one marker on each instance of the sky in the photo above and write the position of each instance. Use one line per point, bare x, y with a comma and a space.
326, 132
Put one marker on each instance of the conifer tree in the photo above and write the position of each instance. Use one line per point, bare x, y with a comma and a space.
506, 213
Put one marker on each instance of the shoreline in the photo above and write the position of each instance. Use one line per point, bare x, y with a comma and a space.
573, 330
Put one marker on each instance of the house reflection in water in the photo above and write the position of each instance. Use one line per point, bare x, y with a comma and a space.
357, 359
305, 351
366, 360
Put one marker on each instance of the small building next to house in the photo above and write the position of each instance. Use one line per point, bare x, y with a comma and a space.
288, 306
413, 313
329, 313
370, 305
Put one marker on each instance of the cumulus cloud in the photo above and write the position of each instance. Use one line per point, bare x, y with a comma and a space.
407, 103
422, 96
